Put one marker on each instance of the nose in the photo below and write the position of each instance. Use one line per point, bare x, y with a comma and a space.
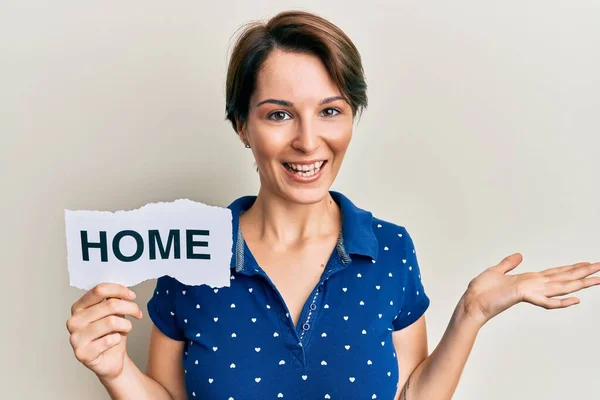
307, 138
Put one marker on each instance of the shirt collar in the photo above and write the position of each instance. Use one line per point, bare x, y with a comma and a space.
357, 236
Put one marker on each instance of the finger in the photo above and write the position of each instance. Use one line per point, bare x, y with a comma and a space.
100, 292
98, 329
550, 303
101, 310
92, 352
562, 288
576, 273
509, 263
563, 268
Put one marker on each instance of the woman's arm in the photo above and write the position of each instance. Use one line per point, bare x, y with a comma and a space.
437, 376
411, 348
489, 294
163, 379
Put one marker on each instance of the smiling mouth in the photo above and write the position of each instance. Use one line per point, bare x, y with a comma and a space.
305, 170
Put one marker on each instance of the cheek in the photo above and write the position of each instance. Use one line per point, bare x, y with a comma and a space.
268, 144
340, 141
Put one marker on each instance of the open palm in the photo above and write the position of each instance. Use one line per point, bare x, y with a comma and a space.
494, 291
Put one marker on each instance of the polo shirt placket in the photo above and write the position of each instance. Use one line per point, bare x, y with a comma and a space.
300, 333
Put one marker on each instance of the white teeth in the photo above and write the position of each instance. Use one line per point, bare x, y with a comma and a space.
306, 167
305, 170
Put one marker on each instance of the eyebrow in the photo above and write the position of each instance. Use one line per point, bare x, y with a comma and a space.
287, 103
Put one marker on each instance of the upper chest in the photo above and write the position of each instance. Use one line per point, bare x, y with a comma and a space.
295, 273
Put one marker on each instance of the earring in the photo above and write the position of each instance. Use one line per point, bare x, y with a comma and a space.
247, 145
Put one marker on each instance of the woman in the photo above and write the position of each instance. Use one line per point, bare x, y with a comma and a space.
326, 301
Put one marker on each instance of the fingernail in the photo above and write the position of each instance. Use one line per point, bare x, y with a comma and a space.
132, 294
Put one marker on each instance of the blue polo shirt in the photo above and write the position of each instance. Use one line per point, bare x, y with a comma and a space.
241, 343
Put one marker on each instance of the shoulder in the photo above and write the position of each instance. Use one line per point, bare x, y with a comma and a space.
391, 236
396, 249
397, 256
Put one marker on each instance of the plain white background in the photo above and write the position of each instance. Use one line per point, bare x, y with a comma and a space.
481, 137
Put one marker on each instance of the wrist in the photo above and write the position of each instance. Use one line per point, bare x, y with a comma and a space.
117, 380
468, 315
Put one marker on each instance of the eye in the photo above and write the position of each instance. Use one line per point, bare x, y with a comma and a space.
278, 114
329, 114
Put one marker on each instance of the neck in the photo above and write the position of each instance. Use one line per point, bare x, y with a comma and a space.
275, 219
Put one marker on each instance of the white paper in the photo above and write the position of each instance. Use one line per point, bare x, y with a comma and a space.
181, 217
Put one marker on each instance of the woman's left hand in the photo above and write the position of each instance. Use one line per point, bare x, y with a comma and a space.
493, 291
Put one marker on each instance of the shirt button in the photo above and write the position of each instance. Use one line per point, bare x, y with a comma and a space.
313, 306
306, 326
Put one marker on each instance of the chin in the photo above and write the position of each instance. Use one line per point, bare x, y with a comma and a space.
306, 196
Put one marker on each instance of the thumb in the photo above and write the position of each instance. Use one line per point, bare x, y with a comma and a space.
509, 263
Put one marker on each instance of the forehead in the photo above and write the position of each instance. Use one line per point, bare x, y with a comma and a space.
295, 77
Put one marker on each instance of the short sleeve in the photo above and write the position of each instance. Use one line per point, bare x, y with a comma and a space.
415, 300
162, 307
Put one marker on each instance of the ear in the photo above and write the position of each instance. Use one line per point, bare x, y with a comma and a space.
241, 130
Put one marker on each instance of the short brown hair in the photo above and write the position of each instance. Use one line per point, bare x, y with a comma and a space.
296, 31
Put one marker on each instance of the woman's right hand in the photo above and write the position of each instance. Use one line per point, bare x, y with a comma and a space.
98, 329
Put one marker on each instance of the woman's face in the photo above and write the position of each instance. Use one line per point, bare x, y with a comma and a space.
298, 127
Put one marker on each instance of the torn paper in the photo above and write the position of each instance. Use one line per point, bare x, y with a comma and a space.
187, 240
